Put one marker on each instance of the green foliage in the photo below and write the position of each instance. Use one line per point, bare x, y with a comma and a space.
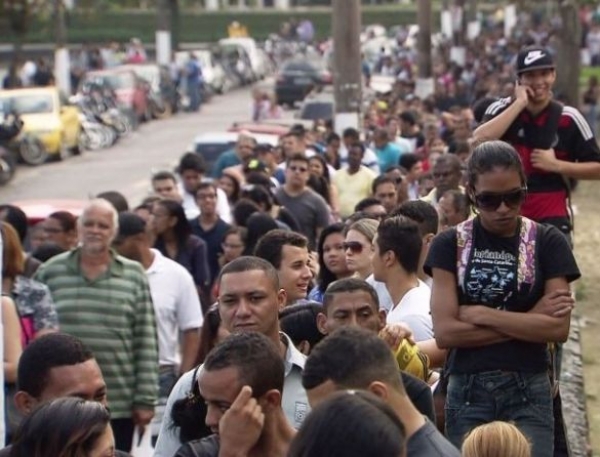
97, 25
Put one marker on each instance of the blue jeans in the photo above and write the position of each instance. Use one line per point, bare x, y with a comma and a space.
193, 92
522, 398
167, 378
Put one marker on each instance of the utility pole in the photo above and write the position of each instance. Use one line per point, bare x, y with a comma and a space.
347, 75
568, 53
62, 65
425, 86
163, 32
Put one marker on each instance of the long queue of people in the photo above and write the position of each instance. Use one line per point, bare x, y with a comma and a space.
300, 300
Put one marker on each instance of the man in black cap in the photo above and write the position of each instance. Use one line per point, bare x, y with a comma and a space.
555, 141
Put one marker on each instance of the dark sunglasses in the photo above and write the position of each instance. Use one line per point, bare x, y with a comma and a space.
354, 246
492, 202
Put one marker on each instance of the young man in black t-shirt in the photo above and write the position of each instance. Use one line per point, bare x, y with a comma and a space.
554, 144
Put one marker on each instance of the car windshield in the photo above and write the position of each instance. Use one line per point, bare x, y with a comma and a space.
28, 104
318, 110
211, 151
302, 66
114, 80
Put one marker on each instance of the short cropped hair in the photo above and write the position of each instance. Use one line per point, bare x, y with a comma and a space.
164, 175
401, 235
256, 358
270, 246
423, 213
348, 285
351, 358
116, 199
368, 425
298, 157
47, 352
382, 179
250, 263
365, 203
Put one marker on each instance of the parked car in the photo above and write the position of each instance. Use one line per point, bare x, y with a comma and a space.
39, 210
321, 106
132, 91
299, 77
211, 145
47, 115
163, 97
259, 67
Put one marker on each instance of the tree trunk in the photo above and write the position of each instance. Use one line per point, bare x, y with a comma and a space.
568, 53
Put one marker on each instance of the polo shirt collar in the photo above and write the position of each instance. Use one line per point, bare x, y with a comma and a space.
293, 357
115, 268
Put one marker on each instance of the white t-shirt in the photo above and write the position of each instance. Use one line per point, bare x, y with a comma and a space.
385, 300
191, 208
414, 310
176, 305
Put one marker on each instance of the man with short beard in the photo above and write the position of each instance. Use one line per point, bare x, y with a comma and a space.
104, 300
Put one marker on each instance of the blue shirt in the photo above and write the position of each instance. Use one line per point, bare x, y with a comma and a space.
388, 156
225, 160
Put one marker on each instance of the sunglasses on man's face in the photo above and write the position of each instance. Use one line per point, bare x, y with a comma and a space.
354, 246
491, 202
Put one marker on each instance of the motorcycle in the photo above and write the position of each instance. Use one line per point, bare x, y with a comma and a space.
10, 127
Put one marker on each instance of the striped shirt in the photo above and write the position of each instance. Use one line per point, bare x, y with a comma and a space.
113, 315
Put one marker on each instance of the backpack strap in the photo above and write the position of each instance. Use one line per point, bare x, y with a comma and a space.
527, 244
464, 244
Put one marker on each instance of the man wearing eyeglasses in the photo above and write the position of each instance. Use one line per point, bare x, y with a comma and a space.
309, 208
447, 175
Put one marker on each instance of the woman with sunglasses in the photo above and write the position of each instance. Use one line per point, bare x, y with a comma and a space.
500, 294
332, 260
359, 249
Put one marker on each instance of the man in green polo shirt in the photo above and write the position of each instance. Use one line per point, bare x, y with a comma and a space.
104, 300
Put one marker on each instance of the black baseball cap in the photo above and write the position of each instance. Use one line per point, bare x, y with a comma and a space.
534, 58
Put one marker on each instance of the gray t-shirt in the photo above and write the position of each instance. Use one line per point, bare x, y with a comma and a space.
309, 209
429, 442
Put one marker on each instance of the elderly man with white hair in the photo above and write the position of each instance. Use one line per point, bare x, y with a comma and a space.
104, 300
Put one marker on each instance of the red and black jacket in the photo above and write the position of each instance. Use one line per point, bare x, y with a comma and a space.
560, 127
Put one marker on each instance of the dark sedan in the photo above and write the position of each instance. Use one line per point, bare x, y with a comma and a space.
299, 77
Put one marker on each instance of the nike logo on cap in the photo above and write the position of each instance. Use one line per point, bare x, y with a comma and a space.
532, 56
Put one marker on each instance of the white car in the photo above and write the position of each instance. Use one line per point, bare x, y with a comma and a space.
212, 144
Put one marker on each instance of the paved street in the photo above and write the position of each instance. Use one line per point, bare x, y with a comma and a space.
128, 165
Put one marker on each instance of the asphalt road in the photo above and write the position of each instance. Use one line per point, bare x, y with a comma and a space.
128, 165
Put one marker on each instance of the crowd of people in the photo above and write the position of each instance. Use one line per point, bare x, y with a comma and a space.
409, 281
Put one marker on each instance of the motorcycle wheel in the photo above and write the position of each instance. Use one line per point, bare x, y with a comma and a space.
161, 110
8, 166
32, 150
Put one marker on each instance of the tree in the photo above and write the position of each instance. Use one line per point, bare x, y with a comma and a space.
568, 52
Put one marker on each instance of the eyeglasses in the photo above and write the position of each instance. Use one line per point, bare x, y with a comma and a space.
354, 246
492, 202
300, 169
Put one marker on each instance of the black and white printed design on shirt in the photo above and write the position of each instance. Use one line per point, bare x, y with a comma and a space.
491, 277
